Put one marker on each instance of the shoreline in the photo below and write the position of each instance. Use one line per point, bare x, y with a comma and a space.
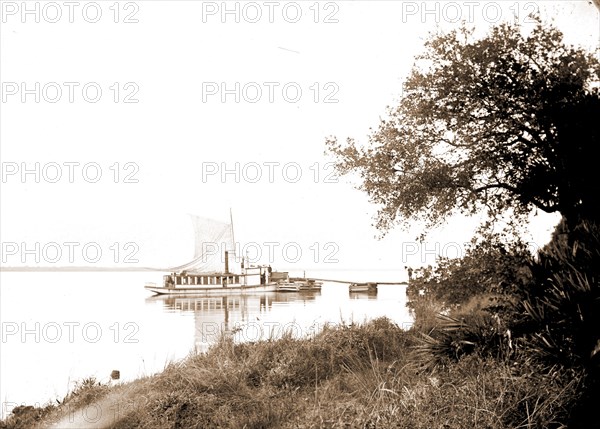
354, 375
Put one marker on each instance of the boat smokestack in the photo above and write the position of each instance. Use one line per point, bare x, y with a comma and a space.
226, 262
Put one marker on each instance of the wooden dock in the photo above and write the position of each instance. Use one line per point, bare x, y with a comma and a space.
350, 282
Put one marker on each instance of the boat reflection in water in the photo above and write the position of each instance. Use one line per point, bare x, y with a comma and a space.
246, 316
369, 294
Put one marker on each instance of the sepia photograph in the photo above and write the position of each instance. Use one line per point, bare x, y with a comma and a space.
366, 214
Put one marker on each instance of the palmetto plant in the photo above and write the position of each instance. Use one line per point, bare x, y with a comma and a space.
562, 311
479, 332
560, 322
567, 318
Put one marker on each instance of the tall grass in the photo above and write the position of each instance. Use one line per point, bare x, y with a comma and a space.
357, 376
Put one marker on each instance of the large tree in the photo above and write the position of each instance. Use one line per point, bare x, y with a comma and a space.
507, 122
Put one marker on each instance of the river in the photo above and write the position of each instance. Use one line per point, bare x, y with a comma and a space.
59, 328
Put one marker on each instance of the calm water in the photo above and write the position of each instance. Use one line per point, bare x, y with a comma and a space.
59, 328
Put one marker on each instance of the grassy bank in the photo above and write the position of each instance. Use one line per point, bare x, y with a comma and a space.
358, 376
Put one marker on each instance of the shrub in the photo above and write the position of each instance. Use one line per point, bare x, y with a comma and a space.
490, 266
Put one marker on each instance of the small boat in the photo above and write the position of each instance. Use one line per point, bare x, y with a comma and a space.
284, 284
295, 284
305, 284
362, 287
288, 287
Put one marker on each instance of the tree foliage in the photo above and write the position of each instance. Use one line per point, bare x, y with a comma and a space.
505, 122
489, 267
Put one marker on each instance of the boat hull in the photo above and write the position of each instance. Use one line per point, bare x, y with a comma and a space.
288, 287
363, 287
211, 290
304, 284
310, 286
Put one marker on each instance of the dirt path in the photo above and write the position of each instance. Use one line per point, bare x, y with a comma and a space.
98, 415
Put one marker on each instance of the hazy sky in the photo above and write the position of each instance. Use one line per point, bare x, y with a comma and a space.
134, 110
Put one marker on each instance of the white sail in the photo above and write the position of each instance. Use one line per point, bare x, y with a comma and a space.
212, 240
